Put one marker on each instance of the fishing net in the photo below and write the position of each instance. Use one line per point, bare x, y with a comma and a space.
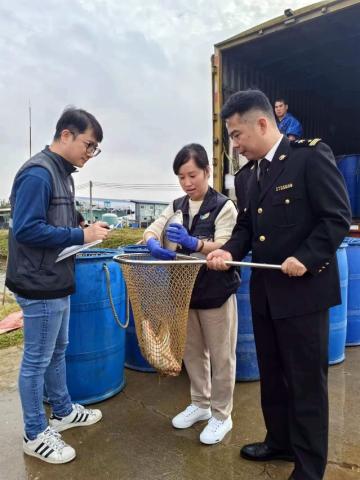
160, 295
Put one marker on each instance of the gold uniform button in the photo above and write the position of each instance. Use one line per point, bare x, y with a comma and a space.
260, 210
262, 238
287, 201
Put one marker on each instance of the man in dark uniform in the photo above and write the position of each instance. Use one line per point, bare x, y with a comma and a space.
298, 214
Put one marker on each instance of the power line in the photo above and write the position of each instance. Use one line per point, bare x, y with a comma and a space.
130, 186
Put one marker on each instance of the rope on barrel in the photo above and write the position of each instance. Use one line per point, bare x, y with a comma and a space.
108, 286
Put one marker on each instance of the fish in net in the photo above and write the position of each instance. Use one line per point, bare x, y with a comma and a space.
160, 293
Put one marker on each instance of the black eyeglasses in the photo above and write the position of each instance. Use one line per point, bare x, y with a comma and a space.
91, 149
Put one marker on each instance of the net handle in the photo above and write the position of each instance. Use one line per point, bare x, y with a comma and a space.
186, 260
108, 286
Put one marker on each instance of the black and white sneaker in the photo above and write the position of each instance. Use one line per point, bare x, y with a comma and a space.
79, 417
49, 447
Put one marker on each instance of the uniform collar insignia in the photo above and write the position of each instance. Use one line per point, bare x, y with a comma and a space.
282, 157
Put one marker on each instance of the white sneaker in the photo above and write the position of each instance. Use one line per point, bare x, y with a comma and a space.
215, 430
79, 417
49, 447
191, 415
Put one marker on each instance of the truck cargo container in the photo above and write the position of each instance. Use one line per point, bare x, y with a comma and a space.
311, 57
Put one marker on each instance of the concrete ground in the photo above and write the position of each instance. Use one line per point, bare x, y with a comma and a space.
135, 440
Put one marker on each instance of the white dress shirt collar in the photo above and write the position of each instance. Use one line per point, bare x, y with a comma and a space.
270, 155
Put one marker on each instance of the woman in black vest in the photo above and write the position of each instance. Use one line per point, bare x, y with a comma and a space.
210, 351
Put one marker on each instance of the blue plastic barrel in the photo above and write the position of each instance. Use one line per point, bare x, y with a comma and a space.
349, 166
338, 314
96, 351
353, 313
135, 249
246, 360
133, 357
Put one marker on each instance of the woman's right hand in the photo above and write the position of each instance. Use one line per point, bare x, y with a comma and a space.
157, 251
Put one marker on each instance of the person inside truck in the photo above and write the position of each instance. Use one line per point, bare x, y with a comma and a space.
287, 123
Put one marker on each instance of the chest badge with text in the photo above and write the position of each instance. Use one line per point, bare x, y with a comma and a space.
279, 188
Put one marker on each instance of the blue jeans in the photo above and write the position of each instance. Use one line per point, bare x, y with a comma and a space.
46, 328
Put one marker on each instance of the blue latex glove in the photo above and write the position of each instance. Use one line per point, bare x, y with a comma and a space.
158, 252
178, 234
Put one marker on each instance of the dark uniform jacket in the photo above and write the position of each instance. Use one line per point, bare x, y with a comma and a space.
302, 211
211, 289
242, 184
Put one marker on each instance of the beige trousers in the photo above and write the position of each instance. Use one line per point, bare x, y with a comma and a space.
210, 357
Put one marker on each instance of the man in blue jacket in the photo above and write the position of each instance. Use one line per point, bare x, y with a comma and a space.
43, 222
287, 123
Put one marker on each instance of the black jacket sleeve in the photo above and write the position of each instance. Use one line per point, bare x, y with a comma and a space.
329, 200
240, 242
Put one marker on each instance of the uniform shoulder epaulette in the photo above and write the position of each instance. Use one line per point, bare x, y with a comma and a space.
250, 164
302, 142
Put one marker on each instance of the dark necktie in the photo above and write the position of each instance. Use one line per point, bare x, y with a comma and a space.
263, 168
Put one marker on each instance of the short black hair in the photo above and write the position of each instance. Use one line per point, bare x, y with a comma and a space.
77, 121
246, 100
192, 151
282, 100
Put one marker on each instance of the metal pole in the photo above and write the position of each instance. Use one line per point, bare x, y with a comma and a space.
186, 260
91, 210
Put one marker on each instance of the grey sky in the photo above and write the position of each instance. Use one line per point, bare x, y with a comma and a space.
142, 67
